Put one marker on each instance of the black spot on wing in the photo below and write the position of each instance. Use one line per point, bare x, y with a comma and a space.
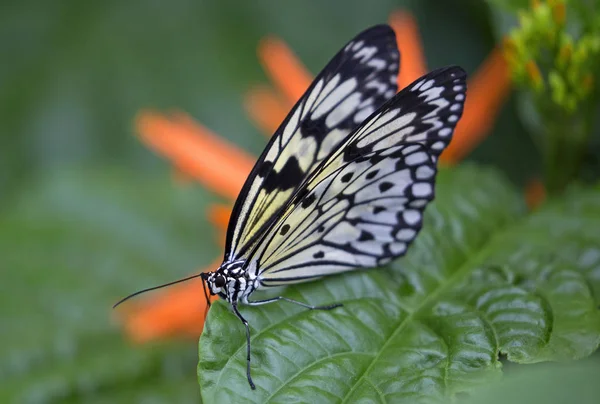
314, 128
366, 236
284, 229
319, 254
308, 200
289, 177
301, 194
384, 186
346, 177
264, 168
371, 174
378, 209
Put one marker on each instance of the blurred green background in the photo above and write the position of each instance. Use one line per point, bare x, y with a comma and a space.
88, 214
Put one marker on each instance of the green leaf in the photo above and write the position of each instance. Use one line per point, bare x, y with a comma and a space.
482, 280
71, 245
510, 5
548, 384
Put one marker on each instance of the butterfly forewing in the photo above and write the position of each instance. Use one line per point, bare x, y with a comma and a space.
364, 204
357, 81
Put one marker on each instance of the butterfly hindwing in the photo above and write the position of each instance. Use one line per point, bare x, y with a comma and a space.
357, 81
364, 205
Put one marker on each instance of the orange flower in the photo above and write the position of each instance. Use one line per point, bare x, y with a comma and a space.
220, 166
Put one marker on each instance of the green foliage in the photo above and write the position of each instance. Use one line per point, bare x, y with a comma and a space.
554, 56
510, 5
71, 245
568, 52
76, 74
548, 384
483, 280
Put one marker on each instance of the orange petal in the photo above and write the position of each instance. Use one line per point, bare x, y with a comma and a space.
195, 150
285, 69
535, 194
412, 58
219, 215
266, 108
179, 310
486, 92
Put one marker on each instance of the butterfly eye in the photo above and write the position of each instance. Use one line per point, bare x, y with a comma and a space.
220, 281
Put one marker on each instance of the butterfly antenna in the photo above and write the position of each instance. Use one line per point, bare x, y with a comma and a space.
157, 287
205, 293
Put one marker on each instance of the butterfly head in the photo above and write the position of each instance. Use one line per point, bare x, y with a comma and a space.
227, 281
215, 281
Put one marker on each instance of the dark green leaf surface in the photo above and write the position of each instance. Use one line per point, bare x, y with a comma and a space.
481, 280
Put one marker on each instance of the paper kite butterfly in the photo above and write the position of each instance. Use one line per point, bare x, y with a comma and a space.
345, 179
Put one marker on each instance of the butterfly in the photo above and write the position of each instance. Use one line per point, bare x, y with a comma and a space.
345, 179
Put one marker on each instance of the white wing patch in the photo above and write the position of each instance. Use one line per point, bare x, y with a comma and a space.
363, 205
329, 100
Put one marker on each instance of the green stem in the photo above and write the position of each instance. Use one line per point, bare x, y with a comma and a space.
567, 137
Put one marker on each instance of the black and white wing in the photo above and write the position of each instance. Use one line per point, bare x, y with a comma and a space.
364, 204
357, 81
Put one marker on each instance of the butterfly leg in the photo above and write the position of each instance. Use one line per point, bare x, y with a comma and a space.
243, 320
275, 299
